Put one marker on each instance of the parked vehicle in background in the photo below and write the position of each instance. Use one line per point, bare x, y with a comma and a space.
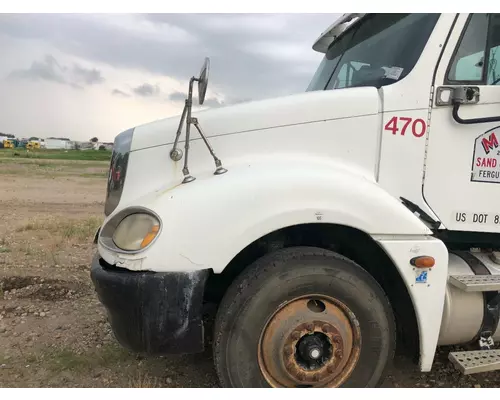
33, 145
8, 144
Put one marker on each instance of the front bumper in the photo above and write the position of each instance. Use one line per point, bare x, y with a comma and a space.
152, 312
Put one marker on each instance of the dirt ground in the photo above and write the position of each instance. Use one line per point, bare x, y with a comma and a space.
53, 330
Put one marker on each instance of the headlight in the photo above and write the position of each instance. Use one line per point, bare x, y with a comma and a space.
136, 231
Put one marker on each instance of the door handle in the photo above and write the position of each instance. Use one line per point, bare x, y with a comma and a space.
469, 121
462, 95
468, 95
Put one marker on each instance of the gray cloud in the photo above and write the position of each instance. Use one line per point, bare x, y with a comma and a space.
177, 96
211, 102
50, 70
120, 93
237, 100
146, 90
252, 55
88, 76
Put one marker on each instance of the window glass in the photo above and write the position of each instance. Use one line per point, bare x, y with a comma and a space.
493, 77
327, 66
343, 78
482, 32
468, 62
380, 50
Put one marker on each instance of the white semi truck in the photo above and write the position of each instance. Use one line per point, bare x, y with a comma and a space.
328, 226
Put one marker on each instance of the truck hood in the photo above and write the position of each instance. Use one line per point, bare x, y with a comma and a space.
330, 129
285, 111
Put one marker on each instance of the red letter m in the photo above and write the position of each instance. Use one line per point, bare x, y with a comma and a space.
490, 144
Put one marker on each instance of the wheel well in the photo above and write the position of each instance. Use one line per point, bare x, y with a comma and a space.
349, 242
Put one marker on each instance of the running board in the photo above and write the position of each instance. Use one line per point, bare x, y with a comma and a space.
476, 283
473, 362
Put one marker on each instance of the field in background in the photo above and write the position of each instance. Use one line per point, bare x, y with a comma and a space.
95, 155
50, 168
53, 330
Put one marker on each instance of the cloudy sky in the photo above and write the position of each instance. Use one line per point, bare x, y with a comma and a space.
85, 75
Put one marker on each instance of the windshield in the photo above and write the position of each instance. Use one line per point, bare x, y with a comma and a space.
379, 50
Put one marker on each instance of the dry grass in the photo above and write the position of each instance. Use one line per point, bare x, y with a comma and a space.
55, 163
19, 153
59, 360
94, 175
67, 229
144, 380
28, 249
53, 168
110, 357
53, 238
52, 171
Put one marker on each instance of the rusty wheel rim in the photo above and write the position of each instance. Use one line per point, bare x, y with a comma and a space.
310, 341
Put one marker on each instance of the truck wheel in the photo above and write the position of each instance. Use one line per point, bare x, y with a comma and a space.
304, 317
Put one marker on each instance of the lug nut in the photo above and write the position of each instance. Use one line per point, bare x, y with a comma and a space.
339, 354
301, 376
296, 335
310, 326
336, 339
325, 328
331, 369
288, 352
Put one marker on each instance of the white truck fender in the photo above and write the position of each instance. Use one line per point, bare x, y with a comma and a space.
426, 287
233, 210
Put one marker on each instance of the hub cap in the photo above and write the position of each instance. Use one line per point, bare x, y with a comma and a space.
311, 341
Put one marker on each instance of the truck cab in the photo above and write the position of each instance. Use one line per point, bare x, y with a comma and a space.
336, 225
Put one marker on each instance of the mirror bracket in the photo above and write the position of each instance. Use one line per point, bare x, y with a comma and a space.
465, 95
449, 95
176, 153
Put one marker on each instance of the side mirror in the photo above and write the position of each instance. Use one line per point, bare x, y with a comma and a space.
203, 81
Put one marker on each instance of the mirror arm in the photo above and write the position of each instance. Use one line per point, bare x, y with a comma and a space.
189, 103
219, 169
175, 153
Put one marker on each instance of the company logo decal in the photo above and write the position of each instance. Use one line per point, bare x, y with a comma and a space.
486, 161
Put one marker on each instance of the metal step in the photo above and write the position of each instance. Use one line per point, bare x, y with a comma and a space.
476, 283
473, 362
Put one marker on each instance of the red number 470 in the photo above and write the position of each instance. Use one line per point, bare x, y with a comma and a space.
418, 126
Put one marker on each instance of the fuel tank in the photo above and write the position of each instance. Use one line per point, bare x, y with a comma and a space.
463, 311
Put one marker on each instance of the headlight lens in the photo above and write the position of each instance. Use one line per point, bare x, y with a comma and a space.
136, 231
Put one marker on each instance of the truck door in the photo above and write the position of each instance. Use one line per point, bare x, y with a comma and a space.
462, 162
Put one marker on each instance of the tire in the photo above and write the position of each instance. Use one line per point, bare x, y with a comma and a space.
268, 284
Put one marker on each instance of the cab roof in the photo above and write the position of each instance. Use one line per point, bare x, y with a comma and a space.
340, 25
